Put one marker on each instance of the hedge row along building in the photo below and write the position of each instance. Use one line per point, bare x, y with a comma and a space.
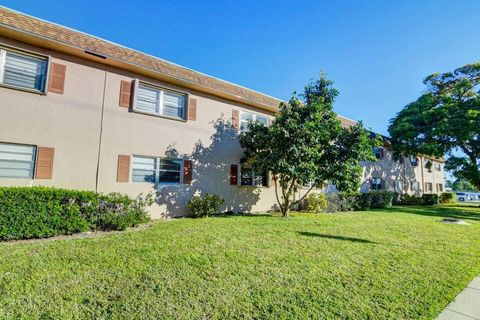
84, 113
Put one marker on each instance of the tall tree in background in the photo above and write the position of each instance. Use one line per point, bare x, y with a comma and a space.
444, 120
307, 144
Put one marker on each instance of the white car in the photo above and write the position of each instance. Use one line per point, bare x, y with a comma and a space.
462, 196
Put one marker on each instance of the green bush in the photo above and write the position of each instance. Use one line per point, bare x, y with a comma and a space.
380, 199
206, 205
411, 200
39, 212
447, 198
316, 202
429, 199
343, 201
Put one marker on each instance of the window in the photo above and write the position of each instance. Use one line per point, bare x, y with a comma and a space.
428, 187
413, 161
378, 151
22, 70
376, 184
399, 185
17, 161
156, 170
246, 117
251, 178
438, 166
415, 186
439, 187
161, 102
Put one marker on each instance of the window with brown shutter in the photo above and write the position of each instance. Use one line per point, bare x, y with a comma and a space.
44, 166
235, 119
192, 109
56, 82
123, 168
187, 171
233, 174
125, 94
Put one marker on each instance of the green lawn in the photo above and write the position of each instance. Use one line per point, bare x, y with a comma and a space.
397, 264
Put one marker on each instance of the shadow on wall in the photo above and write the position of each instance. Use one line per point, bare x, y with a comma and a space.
389, 171
211, 174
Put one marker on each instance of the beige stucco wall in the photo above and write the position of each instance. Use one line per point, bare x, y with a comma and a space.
390, 170
68, 122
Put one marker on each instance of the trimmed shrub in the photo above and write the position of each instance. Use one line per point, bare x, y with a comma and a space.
380, 199
447, 198
206, 205
343, 201
429, 199
317, 202
411, 200
39, 212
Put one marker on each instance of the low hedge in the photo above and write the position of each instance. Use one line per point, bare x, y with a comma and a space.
343, 201
39, 212
416, 200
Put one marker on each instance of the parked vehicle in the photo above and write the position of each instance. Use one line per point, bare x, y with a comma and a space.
462, 196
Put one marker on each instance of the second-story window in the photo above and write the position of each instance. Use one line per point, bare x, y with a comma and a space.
246, 117
438, 166
414, 161
378, 152
22, 70
154, 100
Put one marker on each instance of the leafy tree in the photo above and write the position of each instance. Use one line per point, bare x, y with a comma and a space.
444, 120
463, 185
307, 144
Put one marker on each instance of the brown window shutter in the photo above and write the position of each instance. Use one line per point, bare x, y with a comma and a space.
192, 109
187, 171
233, 174
236, 119
44, 164
56, 83
125, 94
123, 168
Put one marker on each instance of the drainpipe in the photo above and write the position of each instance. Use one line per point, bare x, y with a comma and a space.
101, 128
423, 178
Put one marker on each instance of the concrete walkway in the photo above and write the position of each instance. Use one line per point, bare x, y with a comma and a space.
466, 305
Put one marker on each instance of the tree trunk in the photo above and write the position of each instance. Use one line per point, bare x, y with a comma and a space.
285, 212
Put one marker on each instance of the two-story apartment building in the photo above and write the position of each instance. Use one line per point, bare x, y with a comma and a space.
80, 112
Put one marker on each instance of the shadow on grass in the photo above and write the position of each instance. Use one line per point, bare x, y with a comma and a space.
328, 236
458, 212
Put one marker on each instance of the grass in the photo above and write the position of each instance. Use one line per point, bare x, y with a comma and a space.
398, 263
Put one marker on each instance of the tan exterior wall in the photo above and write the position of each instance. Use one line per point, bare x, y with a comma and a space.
390, 171
68, 122
88, 128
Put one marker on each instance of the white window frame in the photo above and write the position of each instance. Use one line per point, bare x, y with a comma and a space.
441, 187
254, 118
415, 185
380, 151
33, 162
3, 57
399, 185
160, 102
438, 166
430, 184
267, 177
157, 170
412, 159
371, 183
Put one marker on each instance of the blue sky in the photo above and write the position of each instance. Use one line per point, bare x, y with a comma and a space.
377, 52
